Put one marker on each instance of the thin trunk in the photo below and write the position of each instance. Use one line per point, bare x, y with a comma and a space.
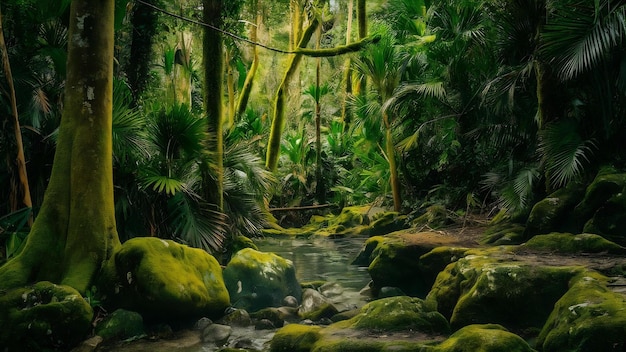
21, 159
231, 89
244, 96
278, 122
144, 24
361, 14
320, 188
213, 70
74, 232
346, 114
393, 169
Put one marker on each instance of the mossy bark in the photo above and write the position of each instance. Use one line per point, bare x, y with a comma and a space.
244, 96
75, 230
213, 68
393, 169
278, 122
361, 15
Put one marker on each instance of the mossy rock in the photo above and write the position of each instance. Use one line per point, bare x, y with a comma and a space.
435, 261
483, 338
569, 243
397, 314
610, 220
122, 325
503, 233
259, 280
485, 288
553, 212
394, 260
295, 338
589, 317
161, 279
43, 316
607, 183
367, 345
315, 306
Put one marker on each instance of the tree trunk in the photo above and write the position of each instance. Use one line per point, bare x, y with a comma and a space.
278, 122
24, 192
230, 83
320, 186
144, 24
213, 70
393, 169
75, 230
244, 96
346, 114
361, 15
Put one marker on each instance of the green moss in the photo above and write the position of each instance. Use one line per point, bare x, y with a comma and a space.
435, 261
295, 338
553, 213
121, 324
164, 279
399, 313
484, 288
568, 243
484, 338
43, 316
503, 233
589, 317
366, 345
258, 280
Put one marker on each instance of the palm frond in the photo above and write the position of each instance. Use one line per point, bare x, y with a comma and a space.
128, 124
580, 35
565, 152
196, 222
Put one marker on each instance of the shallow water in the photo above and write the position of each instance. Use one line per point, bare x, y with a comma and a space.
314, 259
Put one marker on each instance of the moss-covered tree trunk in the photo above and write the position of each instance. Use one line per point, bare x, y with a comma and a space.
346, 113
144, 22
213, 69
244, 96
75, 229
393, 168
361, 15
278, 122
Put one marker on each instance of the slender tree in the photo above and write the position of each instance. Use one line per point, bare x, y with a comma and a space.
21, 159
74, 232
213, 70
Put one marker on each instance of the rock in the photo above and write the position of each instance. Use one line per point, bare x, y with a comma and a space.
162, 279
88, 345
552, 213
258, 280
43, 316
121, 325
264, 324
216, 333
202, 323
484, 338
390, 292
315, 306
589, 317
238, 317
331, 289
398, 313
490, 286
290, 301
394, 260
503, 233
341, 316
276, 315
295, 338
569, 243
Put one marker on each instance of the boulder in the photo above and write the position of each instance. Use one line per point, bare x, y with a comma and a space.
258, 280
491, 286
295, 338
121, 325
43, 316
162, 279
484, 338
589, 317
553, 213
237, 317
394, 260
569, 243
397, 314
315, 306
216, 333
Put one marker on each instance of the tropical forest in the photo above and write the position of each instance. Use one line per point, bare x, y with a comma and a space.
313, 175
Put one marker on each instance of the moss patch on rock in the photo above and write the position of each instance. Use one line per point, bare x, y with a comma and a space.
121, 324
398, 313
483, 287
589, 317
483, 338
43, 316
162, 279
295, 338
258, 280
352, 221
394, 260
569, 243
553, 212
